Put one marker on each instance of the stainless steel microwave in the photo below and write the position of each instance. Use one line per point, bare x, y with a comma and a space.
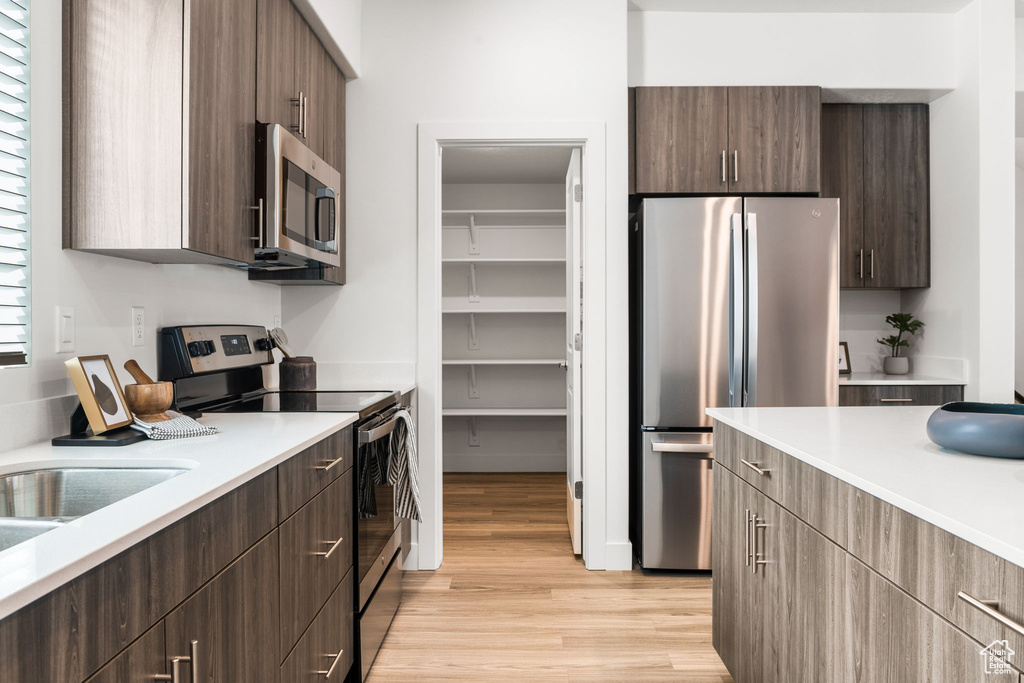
298, 195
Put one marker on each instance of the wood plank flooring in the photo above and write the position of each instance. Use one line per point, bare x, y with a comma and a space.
511, 602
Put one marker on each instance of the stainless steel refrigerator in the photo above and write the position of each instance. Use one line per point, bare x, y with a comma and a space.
736, 304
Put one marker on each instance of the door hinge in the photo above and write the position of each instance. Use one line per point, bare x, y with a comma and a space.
577, 192
579, 490
578, 343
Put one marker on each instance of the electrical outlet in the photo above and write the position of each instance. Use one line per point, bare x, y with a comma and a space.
138, 326
65, 329
277, 321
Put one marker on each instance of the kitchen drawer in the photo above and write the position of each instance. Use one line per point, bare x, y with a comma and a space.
316, 553
330, 636
899, 394
934, 566
307, 473
141, 661
806, 491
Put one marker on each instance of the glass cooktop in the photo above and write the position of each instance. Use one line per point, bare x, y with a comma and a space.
363, 402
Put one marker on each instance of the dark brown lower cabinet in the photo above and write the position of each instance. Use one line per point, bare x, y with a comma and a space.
899, 394
143, 660
233, 621
326, 647
792, 605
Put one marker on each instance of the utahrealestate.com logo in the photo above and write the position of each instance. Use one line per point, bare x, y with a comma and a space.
996, 658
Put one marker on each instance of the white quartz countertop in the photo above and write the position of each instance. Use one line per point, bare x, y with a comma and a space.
246, 446
880, 378
886, 452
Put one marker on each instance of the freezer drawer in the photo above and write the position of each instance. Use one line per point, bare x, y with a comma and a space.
676, 526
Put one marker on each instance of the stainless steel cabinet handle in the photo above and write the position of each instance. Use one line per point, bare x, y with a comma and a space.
176, 662
756, 467
735, 166
746, 538
298, 101
329, 465
896, 400
860, 266
330, 551
872, 264
258, 239
990, 608
305, 113
724, 179
334, 665
756, 556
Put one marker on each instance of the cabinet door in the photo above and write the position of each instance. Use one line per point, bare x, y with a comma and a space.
896, 196
139, 662
775, 139
899, 395
277, 37
681, 137
234, 620
221, 128
733, 607
334, 151
842, 176
310, 62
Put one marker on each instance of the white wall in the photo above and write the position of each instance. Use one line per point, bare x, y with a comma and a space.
340, 22
101, 289
968, 307
862, 323
854, 51
460, 60
1019, 365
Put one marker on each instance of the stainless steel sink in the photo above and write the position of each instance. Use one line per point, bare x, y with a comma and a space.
32, 503
73, 492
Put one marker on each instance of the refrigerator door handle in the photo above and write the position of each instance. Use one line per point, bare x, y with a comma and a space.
750, 375
736, 312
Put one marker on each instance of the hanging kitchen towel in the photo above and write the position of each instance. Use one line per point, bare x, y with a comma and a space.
403, 468
178, 427
371, 471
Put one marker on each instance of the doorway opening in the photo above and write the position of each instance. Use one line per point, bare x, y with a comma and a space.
511, 336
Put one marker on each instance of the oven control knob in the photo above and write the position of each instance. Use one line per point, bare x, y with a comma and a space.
195, 349
208, 347
264, 344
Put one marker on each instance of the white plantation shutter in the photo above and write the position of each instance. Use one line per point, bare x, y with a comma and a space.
15, 264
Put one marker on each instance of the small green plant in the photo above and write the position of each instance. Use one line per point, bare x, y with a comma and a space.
905, 324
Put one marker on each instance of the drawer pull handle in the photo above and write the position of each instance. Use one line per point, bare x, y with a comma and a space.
324, 468
990, 608
756, 467
334, 546
746, 537
334, 665
896, 400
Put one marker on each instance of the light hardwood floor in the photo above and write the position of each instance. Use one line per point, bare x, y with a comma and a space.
512, 603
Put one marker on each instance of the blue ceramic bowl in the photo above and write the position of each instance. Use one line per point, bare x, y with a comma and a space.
994, 429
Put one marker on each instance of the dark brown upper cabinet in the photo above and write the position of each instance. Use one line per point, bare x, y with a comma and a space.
875, 159
159, 153
713, 140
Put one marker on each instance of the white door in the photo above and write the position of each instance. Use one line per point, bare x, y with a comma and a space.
574, 349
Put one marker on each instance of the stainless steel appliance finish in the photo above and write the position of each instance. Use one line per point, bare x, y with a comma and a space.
299, 191
15, 530
197, 349
74, 492
686, 270
677, 500
376, 619
739, 306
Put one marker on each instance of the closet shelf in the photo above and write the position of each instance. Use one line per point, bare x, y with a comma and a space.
504, 412
503, 212
463, 310
525, 259
506, 361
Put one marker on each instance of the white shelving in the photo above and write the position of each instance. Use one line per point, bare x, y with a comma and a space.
504, 412
513, 261
505, 361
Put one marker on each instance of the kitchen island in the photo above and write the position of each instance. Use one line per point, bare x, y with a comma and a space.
847, 546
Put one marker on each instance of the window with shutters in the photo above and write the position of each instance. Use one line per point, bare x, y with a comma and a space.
15, 264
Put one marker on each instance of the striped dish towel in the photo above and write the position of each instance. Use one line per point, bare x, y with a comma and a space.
403, 468
178, 427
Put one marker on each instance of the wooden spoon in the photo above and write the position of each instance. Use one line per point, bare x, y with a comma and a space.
138, 373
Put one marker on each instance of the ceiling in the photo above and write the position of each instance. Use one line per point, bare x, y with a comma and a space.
905, 6
512, 164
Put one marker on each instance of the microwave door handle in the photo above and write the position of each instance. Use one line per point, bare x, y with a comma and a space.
327, 196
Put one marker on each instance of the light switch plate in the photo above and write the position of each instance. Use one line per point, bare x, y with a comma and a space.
277, 321
65, 329
138, 326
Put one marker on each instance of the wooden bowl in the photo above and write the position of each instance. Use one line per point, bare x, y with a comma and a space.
149, 402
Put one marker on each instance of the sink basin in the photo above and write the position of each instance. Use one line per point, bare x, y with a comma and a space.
15, 530
74, 492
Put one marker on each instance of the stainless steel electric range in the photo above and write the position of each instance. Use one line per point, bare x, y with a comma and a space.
220, 369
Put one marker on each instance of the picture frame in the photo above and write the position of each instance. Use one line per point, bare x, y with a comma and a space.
844, 359
100, 393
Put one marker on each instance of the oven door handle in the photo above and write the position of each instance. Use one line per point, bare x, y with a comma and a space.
370, 435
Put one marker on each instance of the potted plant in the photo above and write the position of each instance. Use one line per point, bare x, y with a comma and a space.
904, 324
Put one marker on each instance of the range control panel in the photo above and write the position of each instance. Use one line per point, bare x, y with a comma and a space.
197, 349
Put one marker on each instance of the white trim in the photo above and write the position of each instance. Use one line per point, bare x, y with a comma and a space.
591, 138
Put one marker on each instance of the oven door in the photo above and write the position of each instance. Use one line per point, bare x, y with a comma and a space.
301, 193
377, 539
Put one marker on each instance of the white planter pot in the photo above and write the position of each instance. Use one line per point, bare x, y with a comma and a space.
896, 366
